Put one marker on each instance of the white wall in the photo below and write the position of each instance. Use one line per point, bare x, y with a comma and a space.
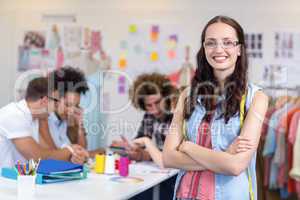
113, 17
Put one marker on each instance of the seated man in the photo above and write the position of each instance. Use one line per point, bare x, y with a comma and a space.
153, 94
66, 122
19, 128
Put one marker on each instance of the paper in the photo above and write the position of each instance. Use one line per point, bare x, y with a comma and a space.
53, 39
122, 63
87, 40
71, 38
171, 54
96, 40
154, 56
154, 34
132, 28
59, 58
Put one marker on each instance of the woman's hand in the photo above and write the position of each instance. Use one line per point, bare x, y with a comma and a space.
182, 147
239, 145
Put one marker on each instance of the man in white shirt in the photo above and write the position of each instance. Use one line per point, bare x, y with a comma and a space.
19, 128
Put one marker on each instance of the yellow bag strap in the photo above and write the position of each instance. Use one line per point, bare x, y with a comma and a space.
242, 116
184, 130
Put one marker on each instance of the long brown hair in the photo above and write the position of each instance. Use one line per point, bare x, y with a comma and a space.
206, 86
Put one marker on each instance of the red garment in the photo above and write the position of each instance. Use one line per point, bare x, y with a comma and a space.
199, 184
284, 169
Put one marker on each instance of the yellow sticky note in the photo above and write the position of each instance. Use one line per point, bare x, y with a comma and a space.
132, 28
154, 56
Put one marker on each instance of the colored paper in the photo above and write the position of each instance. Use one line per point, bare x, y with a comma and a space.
121, 90
132, 28
171, 44
122, 63
171, 54
154, 56
122, 80
59, 58
155, 29
174, 38
154, 37
96, 40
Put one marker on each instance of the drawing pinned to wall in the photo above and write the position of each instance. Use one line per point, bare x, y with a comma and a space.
275, 75
254, 45
59, 58
72, 38
30, 54
95, 41
183, 77
284, 45
53, 38
87, 40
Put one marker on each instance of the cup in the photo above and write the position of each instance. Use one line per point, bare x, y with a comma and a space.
26, 187
124, 166
100, 163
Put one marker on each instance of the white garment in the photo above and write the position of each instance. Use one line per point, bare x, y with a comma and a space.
295, 171
58, 131
15, 122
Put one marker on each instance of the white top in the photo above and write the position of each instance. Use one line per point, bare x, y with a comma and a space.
58, 131
15, 122
96, 186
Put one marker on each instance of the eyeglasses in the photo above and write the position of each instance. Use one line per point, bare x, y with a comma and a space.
225, 44
53, 99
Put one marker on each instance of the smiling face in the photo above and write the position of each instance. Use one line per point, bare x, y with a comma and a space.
221, 48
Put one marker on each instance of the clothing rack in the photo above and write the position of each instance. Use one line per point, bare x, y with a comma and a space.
295, 89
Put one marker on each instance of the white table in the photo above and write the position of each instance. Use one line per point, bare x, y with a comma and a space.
96, 186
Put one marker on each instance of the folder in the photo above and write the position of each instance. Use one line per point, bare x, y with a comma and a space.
51, 166
53, 171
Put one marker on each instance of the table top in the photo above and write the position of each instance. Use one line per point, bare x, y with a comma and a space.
142, 176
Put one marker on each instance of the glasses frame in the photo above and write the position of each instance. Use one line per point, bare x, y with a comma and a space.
235, 43
53, 99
